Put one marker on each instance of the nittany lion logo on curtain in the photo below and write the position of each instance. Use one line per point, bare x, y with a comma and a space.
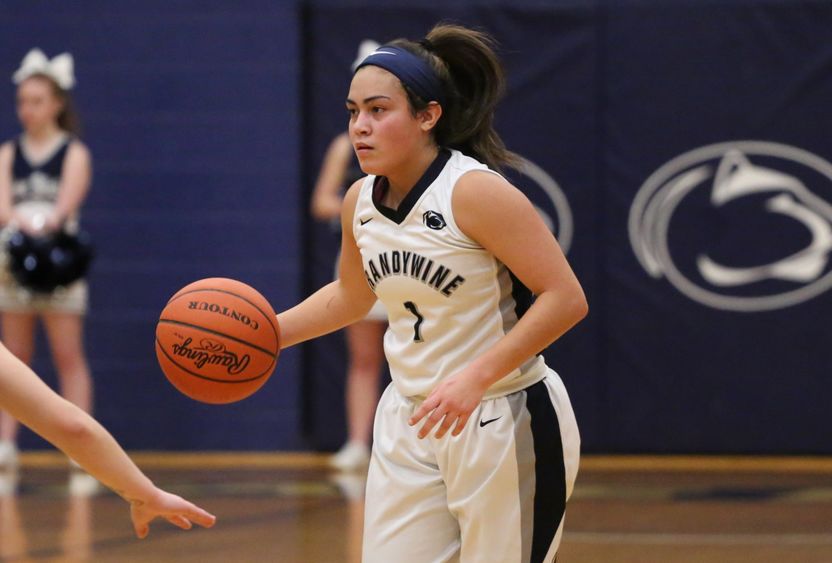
739, 226
548, 199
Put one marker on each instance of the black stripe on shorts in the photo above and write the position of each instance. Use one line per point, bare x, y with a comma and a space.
549, 472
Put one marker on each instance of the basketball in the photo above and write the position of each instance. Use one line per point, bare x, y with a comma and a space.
217, 340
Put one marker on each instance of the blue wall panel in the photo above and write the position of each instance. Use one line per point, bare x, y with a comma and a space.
703, 377
681, 133
190, 110
207, 121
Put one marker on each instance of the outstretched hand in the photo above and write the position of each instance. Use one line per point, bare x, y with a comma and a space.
172, 508
452, 401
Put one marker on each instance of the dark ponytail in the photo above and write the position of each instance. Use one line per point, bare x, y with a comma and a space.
473, 81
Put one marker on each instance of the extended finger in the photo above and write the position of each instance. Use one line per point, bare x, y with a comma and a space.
180, 521
460, 424
200, 516
446, 423
430, 422
428, 405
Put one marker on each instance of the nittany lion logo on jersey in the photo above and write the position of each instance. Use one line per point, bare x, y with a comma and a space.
434, 220
740, 226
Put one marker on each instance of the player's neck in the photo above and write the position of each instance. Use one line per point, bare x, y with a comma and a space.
402, 181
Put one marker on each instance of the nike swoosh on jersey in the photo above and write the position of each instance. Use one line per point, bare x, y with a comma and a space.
365, 221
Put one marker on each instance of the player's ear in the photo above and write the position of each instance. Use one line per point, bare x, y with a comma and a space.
429, 116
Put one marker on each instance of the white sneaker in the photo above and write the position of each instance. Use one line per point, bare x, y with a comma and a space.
8, 481
352, 456
350, 485
8, 454
82, 484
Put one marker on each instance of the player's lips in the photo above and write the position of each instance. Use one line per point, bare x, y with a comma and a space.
362, 147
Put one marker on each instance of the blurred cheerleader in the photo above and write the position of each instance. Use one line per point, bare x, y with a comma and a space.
45, 176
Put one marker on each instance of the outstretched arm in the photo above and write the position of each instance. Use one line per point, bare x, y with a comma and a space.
32, 402
337, 304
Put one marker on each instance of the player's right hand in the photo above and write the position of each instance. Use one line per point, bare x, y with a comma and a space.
172, 508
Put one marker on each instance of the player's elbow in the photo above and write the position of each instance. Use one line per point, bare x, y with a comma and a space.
577, 305
583, 307
76, 427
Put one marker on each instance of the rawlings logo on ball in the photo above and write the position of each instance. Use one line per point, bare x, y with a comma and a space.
211, 352
217, 340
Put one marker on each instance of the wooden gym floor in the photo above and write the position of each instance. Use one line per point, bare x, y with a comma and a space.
290, 508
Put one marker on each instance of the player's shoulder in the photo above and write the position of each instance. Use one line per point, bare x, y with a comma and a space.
480, 184
351, 197
354, 190
483, 199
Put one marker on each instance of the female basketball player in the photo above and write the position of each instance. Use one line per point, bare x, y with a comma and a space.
475, 443
31, 401
44, 177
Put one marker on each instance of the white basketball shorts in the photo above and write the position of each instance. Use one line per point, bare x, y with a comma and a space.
495, 493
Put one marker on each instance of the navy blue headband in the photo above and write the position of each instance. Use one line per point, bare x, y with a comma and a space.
414, 72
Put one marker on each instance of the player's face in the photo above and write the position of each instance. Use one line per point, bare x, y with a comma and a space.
383, 130
37, 104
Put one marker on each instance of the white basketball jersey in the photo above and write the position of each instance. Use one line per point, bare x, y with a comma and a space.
448, 299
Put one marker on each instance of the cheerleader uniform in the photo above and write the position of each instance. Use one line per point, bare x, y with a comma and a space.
35, 186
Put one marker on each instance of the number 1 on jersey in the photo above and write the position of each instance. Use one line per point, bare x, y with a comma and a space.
417, 334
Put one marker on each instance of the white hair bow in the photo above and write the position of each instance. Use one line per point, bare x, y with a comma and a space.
59, 69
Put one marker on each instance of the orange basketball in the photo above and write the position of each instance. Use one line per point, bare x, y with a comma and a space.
217, 340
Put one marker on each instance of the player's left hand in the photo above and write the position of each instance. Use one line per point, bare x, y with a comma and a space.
172, 508
452, 401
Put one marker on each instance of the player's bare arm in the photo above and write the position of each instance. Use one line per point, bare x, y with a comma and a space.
339, 303
26, 397
495, 214
498, 216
